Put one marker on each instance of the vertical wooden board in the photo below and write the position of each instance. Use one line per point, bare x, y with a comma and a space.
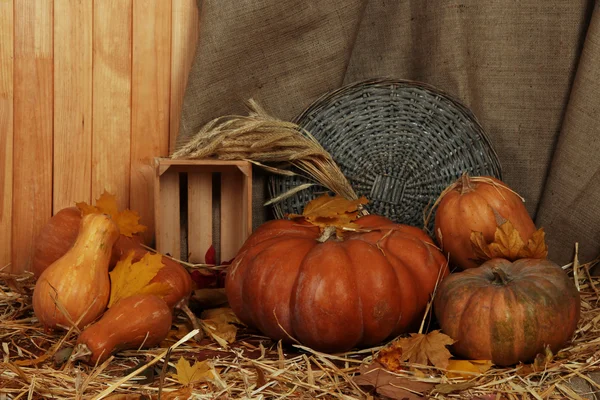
247, 200
6, 128
150, 88
168, 232
200, 215
111, 109
183, 45
72, 102
32, 140
232, 204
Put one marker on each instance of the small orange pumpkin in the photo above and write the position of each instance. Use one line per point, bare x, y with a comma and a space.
478, 204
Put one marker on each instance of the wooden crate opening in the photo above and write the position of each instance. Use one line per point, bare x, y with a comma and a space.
186, 216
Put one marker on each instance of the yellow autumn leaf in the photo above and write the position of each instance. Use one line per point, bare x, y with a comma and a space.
536, 246
129, 278
332, 214
127, 220
187, 374
467, 368
219, 324
508, 244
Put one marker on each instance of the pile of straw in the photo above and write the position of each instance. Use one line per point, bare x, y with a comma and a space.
256, 368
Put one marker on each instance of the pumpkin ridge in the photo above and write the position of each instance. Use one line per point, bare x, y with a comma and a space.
532, 338
268, 274
510, 302
459, 323
314, 318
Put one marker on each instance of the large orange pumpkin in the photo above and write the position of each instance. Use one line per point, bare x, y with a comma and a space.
508, 312
334, 295
479, 204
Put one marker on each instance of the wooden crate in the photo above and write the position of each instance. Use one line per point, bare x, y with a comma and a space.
235, 204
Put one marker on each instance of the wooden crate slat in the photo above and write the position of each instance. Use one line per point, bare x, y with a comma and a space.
168, 233
112, 99
235, 223
72, 102
150, 88
6, 129
200, 218
32, 138
231, 214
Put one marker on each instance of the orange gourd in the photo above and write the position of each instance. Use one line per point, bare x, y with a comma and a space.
78, 282
335, 295
142, 319
59, 234
178, 279
479, 204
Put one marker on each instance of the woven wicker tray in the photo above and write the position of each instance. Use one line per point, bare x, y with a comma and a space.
399, 143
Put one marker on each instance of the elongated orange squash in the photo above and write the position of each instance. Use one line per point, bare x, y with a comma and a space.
76, 287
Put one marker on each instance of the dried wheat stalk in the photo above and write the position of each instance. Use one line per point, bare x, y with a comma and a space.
268, 142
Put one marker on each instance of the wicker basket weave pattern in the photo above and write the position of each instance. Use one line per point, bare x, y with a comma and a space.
399, 143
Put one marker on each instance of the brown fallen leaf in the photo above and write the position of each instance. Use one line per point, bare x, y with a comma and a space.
393, 386
425, 349
219, 324
128, 278
187, 374
326, 211
467, 368
391, 358
508, 244
126, 220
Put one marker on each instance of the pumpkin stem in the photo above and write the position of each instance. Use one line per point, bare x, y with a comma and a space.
465, 184
81, 352
500, 277
328, 233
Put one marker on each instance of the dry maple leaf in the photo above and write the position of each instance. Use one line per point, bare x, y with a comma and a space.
187, 374
508, 244
126, 220
425, 349
219, 324
536, 246
391, 385
128, 278
326, 211
391, 358
467, 368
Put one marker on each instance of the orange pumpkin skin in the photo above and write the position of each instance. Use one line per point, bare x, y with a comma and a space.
508, 320
481, 207
59, 234
336, 295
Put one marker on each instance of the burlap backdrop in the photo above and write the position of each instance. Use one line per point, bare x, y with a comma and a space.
529, 69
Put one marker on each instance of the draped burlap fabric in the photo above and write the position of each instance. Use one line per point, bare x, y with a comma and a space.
529, 70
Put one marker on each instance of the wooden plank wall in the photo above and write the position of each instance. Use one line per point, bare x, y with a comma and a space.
90, 93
